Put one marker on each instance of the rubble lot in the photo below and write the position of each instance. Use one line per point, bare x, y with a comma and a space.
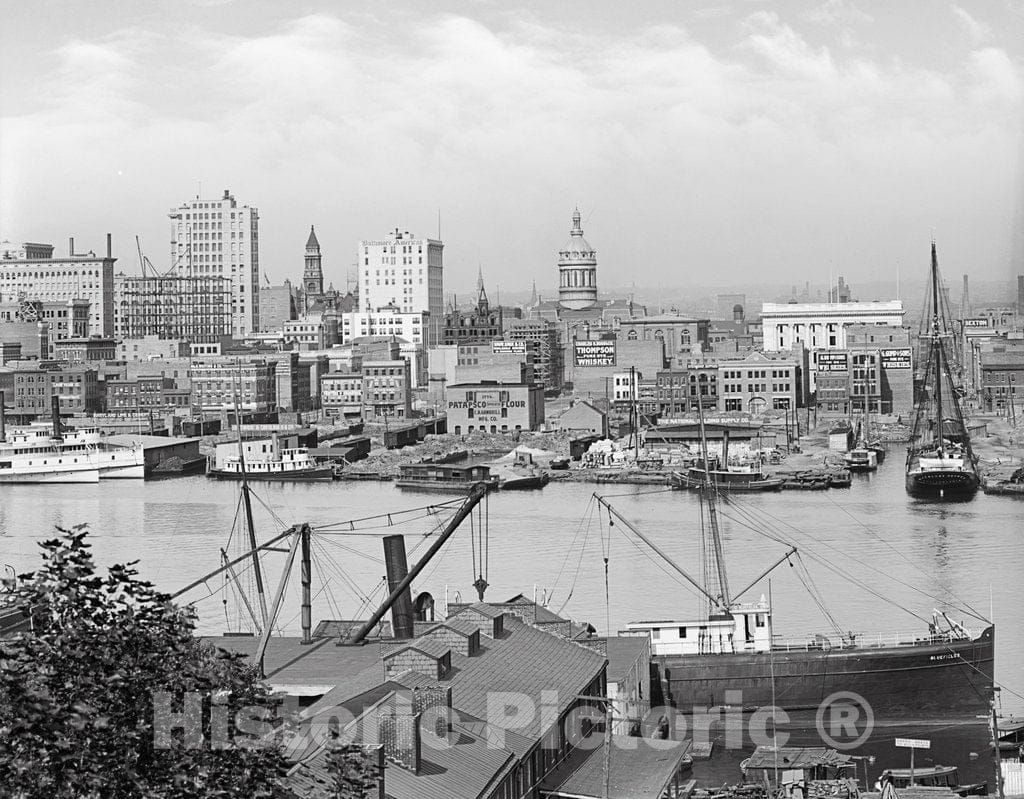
542, 446
1002, 450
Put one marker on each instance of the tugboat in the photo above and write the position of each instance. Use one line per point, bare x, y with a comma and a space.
940, 463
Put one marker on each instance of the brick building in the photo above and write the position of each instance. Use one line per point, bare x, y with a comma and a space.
387, 390
491, 406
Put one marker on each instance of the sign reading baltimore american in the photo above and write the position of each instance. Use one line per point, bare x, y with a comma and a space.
594, 353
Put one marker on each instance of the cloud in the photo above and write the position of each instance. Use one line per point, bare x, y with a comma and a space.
837, 13
751, 154
977, 31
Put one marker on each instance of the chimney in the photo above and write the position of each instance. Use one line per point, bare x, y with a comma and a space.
397, 569
3, 421
424, 699
71, 246
399, 734
109, 249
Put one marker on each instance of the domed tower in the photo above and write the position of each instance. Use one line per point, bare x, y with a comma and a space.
312, 275
577, 270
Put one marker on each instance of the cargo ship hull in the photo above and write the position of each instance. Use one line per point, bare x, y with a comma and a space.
950, 677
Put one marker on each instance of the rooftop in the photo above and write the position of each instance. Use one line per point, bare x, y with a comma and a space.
636, 770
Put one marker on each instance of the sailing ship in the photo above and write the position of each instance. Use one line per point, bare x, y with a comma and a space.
940, 462
704, 661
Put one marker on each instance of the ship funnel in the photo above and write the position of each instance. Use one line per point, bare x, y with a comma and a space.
397, 569
55, 413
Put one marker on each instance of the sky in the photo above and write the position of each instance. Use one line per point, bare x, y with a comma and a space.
705, 143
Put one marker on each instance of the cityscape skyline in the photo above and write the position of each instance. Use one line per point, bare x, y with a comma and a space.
729, 140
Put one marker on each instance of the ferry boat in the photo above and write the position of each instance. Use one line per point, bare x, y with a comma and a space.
42, 453
282, 464
35, 455
940, 462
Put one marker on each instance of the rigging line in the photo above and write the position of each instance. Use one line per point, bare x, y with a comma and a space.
658, 564
343, 582
817, 596
584, 519
351, 550
837, 570
964, 602
579, 561
339, 571
432, 508
847, 556
389, 529
639, 493
472, 542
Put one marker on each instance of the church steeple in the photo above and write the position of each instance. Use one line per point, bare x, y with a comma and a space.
312, 275
482, 305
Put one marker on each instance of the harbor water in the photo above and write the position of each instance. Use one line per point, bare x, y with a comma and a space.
875, 556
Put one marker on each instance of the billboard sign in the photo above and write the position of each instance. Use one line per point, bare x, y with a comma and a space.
832, 362
487, 405
896, 359
594, 353
979, 321
515, 347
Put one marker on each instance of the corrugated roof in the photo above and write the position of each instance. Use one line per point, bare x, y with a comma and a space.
795, 757
526, 661
468, 766
428, 646
636, 770
623, 653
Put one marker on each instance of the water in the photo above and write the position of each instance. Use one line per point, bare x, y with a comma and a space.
918, 555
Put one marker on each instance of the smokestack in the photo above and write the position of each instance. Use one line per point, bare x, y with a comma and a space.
55, 412
3, 419
109, 251
71, 246
965, 301
397, 569
1020, 294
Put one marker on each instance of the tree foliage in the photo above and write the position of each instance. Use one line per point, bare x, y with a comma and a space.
77, 692
354, 770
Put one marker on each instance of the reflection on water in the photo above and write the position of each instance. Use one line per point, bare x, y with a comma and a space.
919, 555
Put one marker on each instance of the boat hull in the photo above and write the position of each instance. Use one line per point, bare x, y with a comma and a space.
319, 473
765, 484
949, 677
940, 484
69, 476
133, 471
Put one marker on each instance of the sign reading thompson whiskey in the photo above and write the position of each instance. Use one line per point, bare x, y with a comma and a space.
594, 353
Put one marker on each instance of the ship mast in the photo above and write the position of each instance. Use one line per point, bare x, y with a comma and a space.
714, 567
937, 346
247, 502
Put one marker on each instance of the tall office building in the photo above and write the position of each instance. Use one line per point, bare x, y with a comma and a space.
221, 238
404, 272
